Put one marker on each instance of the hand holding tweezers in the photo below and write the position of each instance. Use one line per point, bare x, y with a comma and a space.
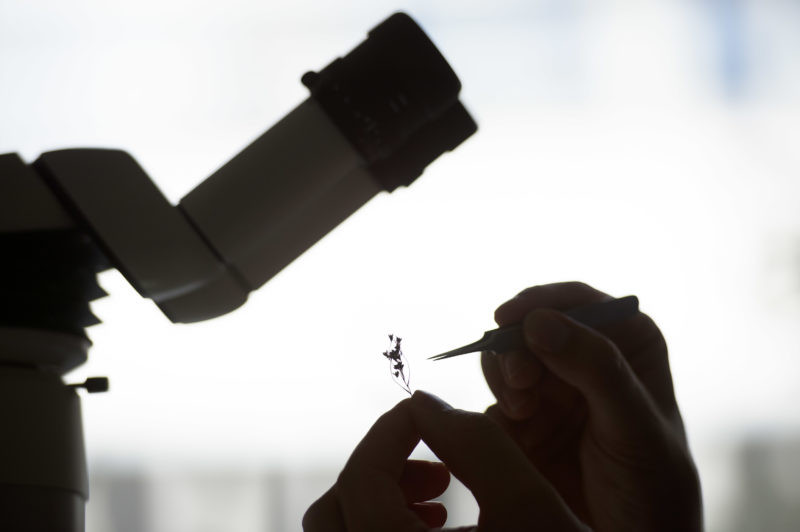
510, 337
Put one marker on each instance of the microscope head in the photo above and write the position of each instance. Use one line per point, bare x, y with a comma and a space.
374, 120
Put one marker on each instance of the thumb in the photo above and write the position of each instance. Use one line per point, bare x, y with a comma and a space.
510, 491
619, 405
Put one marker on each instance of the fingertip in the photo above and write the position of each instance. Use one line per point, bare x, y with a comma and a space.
432, 513
502, 314
430, 468
442, 472
423, 480
429, 400
512, 310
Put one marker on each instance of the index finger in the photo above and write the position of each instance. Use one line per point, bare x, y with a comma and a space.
507, 487
559, 296
368, 489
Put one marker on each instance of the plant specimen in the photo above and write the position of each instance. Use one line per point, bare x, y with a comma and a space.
398, 365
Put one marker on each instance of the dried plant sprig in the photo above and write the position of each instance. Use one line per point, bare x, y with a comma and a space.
398, 365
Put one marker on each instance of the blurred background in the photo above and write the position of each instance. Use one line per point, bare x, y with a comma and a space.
643, 147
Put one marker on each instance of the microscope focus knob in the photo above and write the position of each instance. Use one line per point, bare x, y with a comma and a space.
93, 384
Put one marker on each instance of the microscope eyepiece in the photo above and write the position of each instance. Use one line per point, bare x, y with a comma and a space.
392, 88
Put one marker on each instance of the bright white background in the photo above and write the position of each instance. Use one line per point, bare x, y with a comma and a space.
643, 147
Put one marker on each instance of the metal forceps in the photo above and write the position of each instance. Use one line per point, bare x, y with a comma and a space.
510, 337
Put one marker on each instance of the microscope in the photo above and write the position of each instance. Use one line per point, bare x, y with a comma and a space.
374, 120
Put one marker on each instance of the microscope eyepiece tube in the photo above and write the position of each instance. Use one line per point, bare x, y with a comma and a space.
375, 119
280, 195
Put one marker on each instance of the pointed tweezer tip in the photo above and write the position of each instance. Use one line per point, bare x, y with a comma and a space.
444, 355
456, 352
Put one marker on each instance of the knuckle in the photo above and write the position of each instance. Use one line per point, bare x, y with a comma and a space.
575, 286
553, 292
312, 517
532, 291
308, 518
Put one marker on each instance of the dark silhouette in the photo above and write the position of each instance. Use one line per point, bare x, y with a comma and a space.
374, 120
586, 432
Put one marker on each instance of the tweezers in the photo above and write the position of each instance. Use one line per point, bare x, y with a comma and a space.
510, 337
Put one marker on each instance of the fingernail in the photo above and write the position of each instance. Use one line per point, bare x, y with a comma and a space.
433, 399
546, 331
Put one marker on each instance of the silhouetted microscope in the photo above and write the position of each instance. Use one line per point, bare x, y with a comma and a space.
374, 120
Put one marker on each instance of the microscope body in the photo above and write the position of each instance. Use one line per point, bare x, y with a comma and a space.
375, 119
47, 279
